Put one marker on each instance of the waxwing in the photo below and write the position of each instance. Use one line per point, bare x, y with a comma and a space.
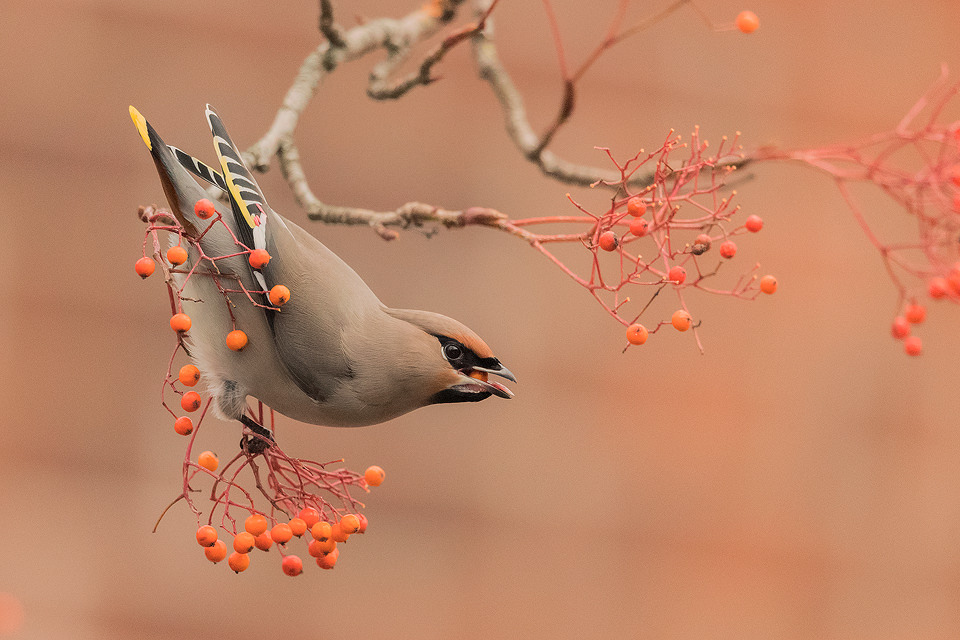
333, 354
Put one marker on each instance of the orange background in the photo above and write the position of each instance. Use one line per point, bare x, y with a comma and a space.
799, 480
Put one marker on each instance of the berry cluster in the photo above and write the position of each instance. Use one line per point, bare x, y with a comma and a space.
302, 494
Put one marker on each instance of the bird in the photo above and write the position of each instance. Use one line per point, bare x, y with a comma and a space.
333, 354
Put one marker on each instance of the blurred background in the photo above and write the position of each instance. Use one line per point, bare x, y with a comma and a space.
797, 480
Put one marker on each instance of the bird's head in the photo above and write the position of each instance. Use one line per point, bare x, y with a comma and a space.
460, 363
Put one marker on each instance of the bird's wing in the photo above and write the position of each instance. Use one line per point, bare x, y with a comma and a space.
199, 168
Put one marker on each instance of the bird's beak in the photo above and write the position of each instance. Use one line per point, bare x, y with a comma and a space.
478, 380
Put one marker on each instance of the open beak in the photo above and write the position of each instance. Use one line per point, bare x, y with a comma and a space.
478, 381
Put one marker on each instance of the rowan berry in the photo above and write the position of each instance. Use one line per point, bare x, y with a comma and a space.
309, 515
189, 375
677, 274
298, 527
639, 227
279, 295
321, 530
204, 209
244, 542
236, 340
754, 224
637, 334
900, 328
636, 207
255, 524
208, 460
915, 313
609, 241
681, 320
190, 401
259, 258
349, 524
337, 533
180, 322
281, 533
239, 561
954, 174
728, 249
768, 284
747, 21
183, 425
206, 536
913, 346
144, 267
216, 552
363, 523
263, 541
938, 287
176, 255
329, 560
315, 548
374, 476
292, 565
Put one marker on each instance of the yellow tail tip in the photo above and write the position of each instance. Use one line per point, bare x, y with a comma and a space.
141, 124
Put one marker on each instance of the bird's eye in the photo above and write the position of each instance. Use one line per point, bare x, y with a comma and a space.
452, 351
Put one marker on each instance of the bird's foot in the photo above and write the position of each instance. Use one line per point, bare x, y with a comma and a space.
259, 441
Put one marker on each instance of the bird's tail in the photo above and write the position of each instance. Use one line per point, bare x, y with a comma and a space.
181, 189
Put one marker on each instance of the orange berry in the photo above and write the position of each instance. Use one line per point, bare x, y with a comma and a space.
292, 565
144, 267
244, 542
363, 523
374, 476
915, 313
953, 279
239, 561
728, 250
681, 320
754, 224
768, 284
913, 346
637, 334
636, 207
608, 241
329, 560
747, 21
639, 227
206, 536
256, 524
279, 295
298, 527
309, 515
281, 533
204, 209
236, 340
180, 322
259, 258
337, 533
263, 542
900, 328
189, 375
321, 531
176, 255
208, 460
938, 288
315, 548
677, 274
183, 425
190, 401
349, 524
216, 552
326, 546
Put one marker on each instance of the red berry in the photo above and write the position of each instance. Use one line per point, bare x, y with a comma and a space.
913, 346
238, 561
337, 533
204, 209
938, 287
754, 224
900, 328
321, 530
190, 401
363, 523
609, 241
349, 524
329, 560
639, 227
176, 255
374, 475
309, 515
636, 207
681, 320
206, 536
637, 334
256, 524
208, 460
747, 21
915, 313
279, 295
189, 375
677, 274
244, 542
297, 526
281, 533
183, 425
728, 249
236, 340
954, 174
263, 541
144, 267
180, 322
217, 552
292, 565
259, 258
768, 284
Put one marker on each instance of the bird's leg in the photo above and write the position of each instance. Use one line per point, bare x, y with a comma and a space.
258, 443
